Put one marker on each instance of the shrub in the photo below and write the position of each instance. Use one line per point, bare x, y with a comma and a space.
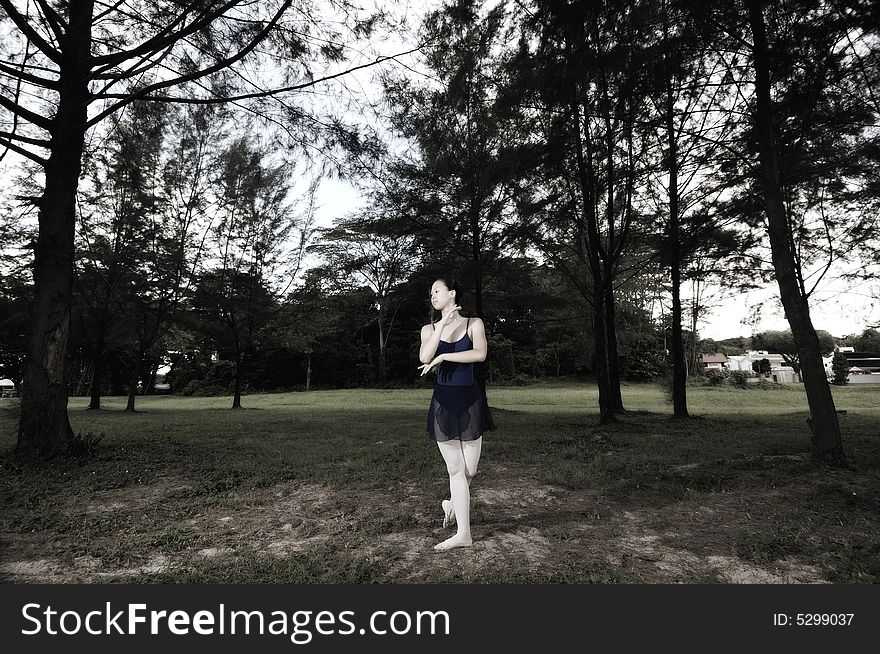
740, 378
840, 369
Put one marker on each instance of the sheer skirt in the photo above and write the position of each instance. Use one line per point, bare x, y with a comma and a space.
458, 412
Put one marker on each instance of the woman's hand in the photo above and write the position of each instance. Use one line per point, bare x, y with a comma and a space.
440, 358
451, 317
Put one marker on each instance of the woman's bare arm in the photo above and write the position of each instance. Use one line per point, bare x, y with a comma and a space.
430, 341
481, 348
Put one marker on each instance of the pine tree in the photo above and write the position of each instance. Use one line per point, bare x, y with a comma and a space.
840, 369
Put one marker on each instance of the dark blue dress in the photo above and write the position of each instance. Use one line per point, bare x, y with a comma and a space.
458, 408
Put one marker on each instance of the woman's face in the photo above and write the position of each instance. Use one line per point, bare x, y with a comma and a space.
441, 296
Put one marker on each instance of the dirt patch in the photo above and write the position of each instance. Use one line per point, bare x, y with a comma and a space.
278, 521
40, 570
84, 569
521, 495
210, 552
526, 544
129, 498
522, 527
156, 564
735, 571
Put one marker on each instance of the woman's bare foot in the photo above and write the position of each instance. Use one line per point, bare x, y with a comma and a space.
448, 513
455, 541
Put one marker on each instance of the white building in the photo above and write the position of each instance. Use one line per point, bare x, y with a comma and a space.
7, 388
780, 372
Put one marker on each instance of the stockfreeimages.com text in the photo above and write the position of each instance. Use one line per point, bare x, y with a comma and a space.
300, 626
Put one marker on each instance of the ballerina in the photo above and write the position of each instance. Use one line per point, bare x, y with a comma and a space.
458, 414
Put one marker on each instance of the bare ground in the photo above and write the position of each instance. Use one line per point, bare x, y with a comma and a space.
524, 530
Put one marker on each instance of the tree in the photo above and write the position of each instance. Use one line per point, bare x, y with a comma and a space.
15, 293
815, 37
868, 341
581, 66
74, 59
173, 234
14, 299
456, 190
238, 297
119, 203
761, 366
840, 369
362, 252
696, 113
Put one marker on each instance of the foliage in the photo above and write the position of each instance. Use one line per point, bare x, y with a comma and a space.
761, 366
840, 369
739, 378
867, 342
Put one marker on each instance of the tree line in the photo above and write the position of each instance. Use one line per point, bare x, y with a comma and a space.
578, 165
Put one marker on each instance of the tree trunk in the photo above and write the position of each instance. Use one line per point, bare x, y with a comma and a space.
383, 376
589, 246
44, 428
679, 374
133, 380
696, 307
97, 371
606, 404
308, 370
616, 397
150, 381
236, 399
827, 446
477, 255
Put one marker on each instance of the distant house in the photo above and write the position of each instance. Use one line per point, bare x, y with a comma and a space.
780, 372
7, 388
717, 361
864, 367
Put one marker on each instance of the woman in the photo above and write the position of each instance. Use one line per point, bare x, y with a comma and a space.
458, 414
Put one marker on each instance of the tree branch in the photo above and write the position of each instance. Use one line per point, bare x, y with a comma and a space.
23, 152
220, 65
53, 85
245, 96
166, 36
110, 9
30, 116
54, 21
43, 143
30, 33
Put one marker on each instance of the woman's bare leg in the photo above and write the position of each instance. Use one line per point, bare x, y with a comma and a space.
453, 453
471, 451
462, 459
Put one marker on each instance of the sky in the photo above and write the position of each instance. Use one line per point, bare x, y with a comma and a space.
837, 310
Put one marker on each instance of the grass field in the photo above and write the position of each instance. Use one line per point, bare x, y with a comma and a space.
343, 486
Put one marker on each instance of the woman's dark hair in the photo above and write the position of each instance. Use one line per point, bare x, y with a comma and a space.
452, 285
